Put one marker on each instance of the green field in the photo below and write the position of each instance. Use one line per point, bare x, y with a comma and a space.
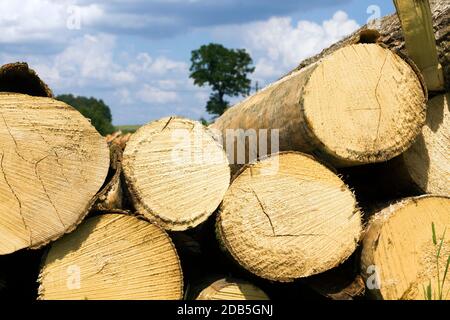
128, 128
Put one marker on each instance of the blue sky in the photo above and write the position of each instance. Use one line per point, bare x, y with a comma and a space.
135, 54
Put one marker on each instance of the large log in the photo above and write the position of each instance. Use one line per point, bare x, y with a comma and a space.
423, 168
398, 259
360, 104
391, 35
52, 163
288, 217
112, 257
428, 160
176, 172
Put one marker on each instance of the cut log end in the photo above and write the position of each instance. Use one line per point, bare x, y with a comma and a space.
428, 160
368, 97
288, 217
19, 78
52, 163
176, 172
226, 289
112, 257
399, 256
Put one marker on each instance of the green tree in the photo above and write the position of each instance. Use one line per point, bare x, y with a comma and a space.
95, 110
224, 70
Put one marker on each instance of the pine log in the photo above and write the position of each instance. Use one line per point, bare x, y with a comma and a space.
176, 172
391, 35
52, 163
288, 217
423, 168
398, 259
428, 160
112, 257
19, 78
360, 104
232, 289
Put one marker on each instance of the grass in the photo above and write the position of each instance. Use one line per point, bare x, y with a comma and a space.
427, 291
128, 128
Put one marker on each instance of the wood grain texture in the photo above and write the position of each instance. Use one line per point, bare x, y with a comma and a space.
423, 168
52, 163
112, 257
232, 289
399, 244
176, 172
288, 217
428, 160
361, 104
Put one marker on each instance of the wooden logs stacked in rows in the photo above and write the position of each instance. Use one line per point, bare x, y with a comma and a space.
287, 220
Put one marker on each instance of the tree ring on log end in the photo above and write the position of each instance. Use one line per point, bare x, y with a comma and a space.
288, 217
177, 173
374, 105
112, 257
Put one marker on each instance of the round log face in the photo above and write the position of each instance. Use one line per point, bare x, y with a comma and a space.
399, 255
428, 160
375, 104
232, 290
176, 171
52, 163
288, 217
112, 257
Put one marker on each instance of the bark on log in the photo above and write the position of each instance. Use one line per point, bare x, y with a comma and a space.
176, 172
423, 168
232, 289
399, 257
52, 163
111, 196
19, 78
391, 35
288, 217
112, 257
361, 104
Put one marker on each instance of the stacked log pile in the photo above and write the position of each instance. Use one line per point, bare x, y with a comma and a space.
332, 182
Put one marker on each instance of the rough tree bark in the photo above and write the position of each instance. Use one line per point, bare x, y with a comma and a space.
391, 35
18, 77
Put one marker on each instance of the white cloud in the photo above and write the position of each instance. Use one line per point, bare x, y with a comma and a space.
92, 60
278, 44
156, 95
28, 21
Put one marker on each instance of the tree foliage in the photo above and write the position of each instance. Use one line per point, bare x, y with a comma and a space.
224, 70
95, 110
